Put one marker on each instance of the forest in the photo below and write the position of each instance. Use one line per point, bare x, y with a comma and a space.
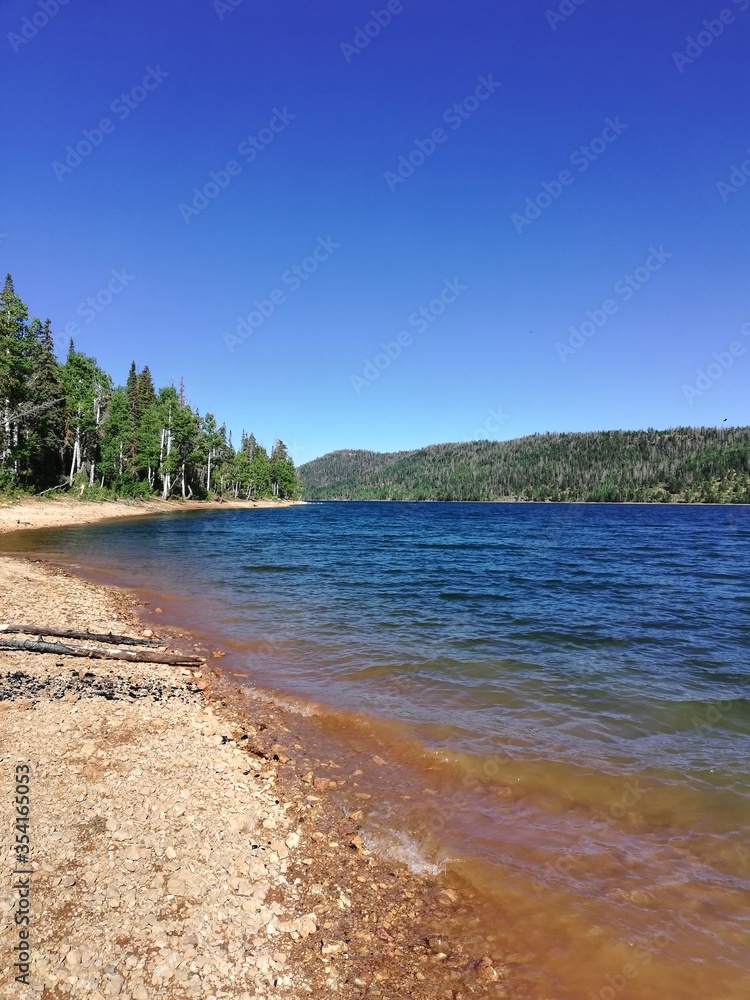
68, 427
680, 465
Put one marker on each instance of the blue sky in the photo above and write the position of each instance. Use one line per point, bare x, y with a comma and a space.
547, 151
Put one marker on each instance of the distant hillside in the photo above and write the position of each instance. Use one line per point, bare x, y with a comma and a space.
683, 464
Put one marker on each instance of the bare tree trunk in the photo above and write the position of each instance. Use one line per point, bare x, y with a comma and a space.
6, 428
76, 460
100, 653
167, 478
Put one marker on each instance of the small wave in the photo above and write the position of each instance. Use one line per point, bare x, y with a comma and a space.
453, 546
448, 595
399, 846
274, 569
306, 709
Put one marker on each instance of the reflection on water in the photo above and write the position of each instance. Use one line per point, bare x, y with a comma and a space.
564, 691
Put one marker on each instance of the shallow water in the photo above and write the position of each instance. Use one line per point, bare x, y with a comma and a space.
566, 689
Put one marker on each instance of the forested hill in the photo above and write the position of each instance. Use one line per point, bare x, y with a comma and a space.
683, 464
68, 426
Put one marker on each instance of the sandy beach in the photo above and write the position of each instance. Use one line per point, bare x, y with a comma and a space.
181, 841
55, 513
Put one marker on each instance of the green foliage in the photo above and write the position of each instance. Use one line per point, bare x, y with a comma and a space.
681, 465
68, 423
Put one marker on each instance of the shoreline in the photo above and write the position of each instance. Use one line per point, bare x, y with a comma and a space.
545, 503
34, 512
303, 904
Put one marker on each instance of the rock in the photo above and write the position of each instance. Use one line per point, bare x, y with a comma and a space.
115, 985
175, 886
280, 848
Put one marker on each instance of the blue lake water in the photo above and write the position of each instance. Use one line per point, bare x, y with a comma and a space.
583, 669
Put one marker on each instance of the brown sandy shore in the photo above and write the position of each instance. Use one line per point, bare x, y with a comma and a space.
183, 842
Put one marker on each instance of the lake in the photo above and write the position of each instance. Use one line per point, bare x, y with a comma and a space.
563, 690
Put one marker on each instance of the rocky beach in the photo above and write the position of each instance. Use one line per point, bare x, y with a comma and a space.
168, 836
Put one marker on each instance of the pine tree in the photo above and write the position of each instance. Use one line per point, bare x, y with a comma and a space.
283, 474
259, 482
44, 417
14, 369
146, 391
133, 395
117, 444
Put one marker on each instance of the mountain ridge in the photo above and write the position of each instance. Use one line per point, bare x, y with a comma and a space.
680, 464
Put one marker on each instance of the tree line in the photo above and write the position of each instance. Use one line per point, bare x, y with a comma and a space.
67, 425
680, 465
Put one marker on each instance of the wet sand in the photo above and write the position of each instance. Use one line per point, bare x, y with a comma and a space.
187, 839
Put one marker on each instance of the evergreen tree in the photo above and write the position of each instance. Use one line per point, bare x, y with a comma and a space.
146, 391
284, 481
44, 416
68, 424
14, 370
118, 443
259, 474
133, 396
148, 441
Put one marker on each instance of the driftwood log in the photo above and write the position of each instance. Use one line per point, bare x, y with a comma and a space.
98, 653
69, 633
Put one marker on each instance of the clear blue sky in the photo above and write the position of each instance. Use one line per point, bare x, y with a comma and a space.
339, 115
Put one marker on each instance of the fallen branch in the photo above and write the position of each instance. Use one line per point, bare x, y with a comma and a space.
51, 489
96, 652
69, 633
